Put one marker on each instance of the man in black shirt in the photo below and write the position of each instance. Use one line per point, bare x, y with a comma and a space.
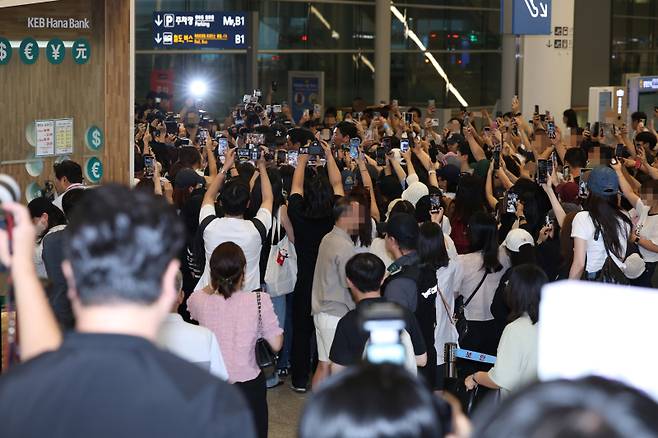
107, 379
365, 274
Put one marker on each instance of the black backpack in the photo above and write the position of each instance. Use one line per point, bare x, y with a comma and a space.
198, 261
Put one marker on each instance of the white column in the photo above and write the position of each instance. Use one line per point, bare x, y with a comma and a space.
382, 51
546, 72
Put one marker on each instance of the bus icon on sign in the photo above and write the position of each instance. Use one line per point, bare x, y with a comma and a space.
169, 20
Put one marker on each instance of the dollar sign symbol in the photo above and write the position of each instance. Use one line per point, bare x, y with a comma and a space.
96, 138
3, 51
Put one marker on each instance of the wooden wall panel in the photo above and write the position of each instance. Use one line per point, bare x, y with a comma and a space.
118, 90
92, 94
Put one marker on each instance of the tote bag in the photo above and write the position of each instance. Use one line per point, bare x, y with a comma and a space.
281, 269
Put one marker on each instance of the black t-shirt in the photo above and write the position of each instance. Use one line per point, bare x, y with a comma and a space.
350, 339
106, 385
308, 235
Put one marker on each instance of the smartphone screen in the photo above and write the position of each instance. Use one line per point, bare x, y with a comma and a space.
550, 129
435, 203
254, 153
583, 190
354, 148
404, 145
380, 156
149, 165
566, 172
386, 144
542, 171
325, 134
408, 118
292, 157
512, 199
222, 145
619, 150
281, 157
243, 155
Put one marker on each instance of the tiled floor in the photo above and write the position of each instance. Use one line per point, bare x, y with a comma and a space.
285, 407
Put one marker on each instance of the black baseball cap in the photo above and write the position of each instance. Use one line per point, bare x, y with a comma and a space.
403, 228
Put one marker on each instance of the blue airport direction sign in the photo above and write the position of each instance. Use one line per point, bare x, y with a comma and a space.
531, 17
186, 30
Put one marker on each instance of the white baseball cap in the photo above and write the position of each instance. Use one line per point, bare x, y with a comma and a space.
516, 238
414, 192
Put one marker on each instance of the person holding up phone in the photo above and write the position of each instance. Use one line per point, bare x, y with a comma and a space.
645, 219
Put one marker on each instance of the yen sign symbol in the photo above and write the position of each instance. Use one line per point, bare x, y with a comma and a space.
81, 51
55, 51
29, 51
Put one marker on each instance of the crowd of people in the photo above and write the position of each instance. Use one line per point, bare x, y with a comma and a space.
267, 237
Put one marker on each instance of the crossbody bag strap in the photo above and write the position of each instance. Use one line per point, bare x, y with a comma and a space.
597, 234
445, 305
260, 318
476, 289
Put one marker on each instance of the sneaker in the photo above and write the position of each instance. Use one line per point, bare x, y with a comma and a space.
298, 389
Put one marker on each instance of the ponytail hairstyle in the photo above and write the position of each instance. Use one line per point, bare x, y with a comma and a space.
227, 266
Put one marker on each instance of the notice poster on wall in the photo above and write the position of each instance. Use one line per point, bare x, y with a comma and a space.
45, 138
63, 136
305, 89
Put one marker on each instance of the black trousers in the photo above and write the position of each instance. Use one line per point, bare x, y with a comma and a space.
255, 392
303, 330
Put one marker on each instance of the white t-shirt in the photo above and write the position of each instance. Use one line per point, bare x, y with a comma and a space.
479, 307
57, 202
193, 343
448, 279
239, 231
648, 226
516, 358
583, 228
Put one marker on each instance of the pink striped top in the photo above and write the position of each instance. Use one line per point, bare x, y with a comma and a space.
235, 324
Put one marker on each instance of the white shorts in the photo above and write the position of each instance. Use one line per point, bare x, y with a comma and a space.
325, 329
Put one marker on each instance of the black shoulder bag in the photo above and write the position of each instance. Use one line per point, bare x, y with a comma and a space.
610, 272
461, 324
265, 357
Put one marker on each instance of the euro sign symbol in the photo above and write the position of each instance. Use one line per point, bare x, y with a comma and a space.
55, 51
95, 170
96, 138
28, 51
3, 51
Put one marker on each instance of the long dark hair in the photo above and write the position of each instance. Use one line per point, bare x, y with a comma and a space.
362, 195
469, 198
318, 194
524, 291
431, 246
609, 218
483, 234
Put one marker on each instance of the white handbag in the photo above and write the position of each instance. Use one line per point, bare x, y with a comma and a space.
281, 269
